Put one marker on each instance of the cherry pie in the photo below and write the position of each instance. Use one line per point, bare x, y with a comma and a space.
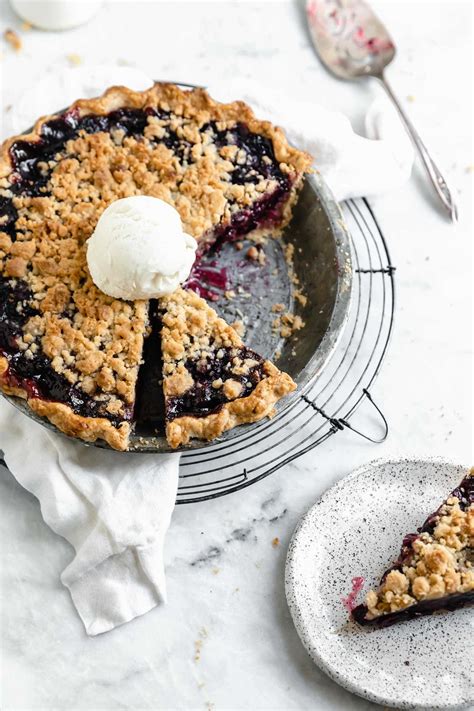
73, 352
212, 382
435, 568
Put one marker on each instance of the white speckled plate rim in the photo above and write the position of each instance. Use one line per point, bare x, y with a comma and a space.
302, 609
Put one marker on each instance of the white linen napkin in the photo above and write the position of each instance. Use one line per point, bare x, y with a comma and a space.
115, 508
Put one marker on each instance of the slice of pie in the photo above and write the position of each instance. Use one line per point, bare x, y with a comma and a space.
435, 568
66, 347
211, 380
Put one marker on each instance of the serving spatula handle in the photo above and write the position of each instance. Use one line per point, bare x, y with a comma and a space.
439, 183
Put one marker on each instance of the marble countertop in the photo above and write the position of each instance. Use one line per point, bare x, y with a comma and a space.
225, 640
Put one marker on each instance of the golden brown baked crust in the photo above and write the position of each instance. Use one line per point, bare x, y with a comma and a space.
65, 419
92, 341
190, 103
87, 428
245, 410
196, 340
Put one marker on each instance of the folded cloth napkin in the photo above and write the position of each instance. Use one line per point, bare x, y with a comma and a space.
115, 508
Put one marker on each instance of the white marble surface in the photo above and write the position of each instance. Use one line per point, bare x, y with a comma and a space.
225, 640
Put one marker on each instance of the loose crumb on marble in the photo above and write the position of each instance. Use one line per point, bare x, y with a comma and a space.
198, 644
26, 26
13, 39
276, 542
197, 650
74, 59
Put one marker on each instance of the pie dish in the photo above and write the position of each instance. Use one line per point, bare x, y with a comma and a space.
435, 568
73, 353
353, 529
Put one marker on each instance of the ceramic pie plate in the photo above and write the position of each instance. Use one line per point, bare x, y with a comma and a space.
356, 529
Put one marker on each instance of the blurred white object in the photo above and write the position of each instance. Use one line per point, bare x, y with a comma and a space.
56, 14
138, 249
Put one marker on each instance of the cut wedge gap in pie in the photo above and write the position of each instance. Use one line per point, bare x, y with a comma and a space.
435, 568
71, 351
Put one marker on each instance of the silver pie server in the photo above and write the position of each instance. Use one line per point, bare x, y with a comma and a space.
352, 43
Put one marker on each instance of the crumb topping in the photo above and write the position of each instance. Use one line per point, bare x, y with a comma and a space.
193, 333
189, 151
436, 563
211, 382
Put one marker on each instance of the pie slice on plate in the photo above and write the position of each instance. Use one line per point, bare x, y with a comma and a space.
435, 568
71, 351
211, 380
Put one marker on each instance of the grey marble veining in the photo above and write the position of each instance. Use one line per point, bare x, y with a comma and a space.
225, 640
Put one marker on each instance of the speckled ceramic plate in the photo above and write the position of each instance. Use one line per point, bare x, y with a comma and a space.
356, 529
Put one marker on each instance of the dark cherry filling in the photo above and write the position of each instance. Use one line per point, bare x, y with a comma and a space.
35, 375
260, 161
202, 399
30, 177
8, 217
260, 158
204, 277
14, 312
420, 609
465, 493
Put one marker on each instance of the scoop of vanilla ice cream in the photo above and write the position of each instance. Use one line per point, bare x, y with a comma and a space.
138, 249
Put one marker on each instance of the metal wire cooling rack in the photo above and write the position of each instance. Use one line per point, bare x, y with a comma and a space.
327, 405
